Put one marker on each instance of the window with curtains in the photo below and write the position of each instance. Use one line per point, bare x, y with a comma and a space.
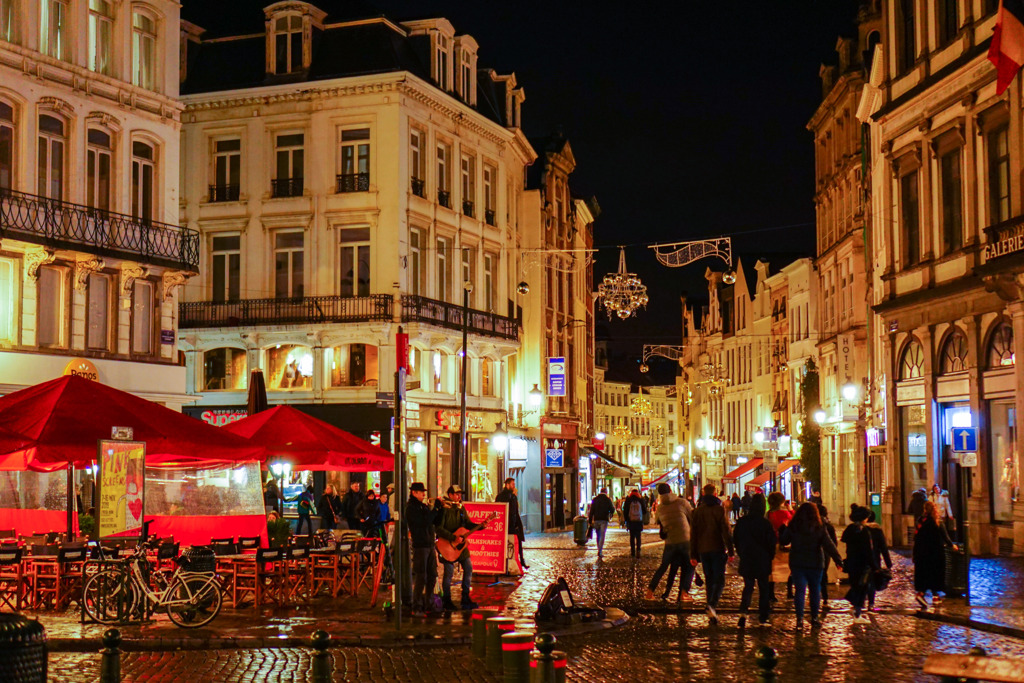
9, 17
53, 27
99, 311
417, 161
355, 160
416, 268
8, 300
289, 269
910, 219
442, 61
6, 145
444, 268
355, 261
50, 157
143, 317
101, 31
444, 177
998, 174
468, 176
98, 169
951, 189
490, 273
143, 180
143, 50
226, 266
469, 269
52, 302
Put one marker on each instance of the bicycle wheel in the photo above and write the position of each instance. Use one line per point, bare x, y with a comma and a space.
196, 601
109, 597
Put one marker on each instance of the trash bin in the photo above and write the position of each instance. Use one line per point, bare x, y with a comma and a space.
200, 559
22, 650
579, 530
956, 572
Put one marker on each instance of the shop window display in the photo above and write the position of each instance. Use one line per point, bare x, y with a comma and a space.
289, 367
353, 365
225, 370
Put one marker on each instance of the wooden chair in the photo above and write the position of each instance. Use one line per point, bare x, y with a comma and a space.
222, 541
368, 552
224, 548
259, 577
14, 582
8, 533
57, 580
165, 555
296, 574
248, 543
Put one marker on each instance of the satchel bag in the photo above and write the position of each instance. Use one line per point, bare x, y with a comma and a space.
881, 578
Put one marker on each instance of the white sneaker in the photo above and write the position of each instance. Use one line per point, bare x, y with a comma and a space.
862, 619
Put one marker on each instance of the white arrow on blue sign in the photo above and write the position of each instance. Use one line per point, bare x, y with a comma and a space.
965, 439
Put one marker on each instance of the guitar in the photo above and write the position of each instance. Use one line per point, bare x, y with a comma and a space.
450, 550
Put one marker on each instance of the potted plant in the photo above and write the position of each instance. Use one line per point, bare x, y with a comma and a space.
278, 532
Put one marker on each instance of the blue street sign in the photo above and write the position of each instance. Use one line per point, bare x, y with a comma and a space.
965, 439
554, 457
556, 377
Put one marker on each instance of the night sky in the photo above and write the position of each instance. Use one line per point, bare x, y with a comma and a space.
687, 120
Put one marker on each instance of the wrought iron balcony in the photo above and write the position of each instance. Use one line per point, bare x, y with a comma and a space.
489, 217
286, 187
467, 208
419, 187
353, 182
285, 311
63, 225
444, 198
224, 193
447, 315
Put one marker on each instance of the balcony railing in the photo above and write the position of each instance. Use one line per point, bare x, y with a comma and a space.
63, 225
421, 309
286, 187
419, 187
224, 193
467, 208
353, 182
489, 217
295, 311
444, 198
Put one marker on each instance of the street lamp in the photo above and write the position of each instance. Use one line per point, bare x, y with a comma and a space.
462, 473
500, 438
759, 436
536, 395
699, 443
850, 392
819, 416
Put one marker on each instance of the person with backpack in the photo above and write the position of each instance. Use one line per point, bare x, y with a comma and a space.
755, 541
675, 529
305, 510
634, 509
602, 509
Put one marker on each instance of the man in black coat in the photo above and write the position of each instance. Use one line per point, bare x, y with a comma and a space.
350, 503
515, 522
420, 519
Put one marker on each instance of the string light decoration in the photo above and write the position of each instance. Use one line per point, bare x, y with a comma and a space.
641, 405
621, 292
622, 431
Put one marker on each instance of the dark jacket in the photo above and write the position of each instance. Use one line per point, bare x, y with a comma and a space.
755, 541
859, 553
710, 531
602, 509
350, 504
448, 517
881, 546
368, 511
515, 521
930, 543
420, 519
808, 546
328, 507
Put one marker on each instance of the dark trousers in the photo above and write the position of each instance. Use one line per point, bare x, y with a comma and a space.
424, 571
304, 519
714, 575
824, 580
764, 596
858, 588
675, 556
804, 578
635, 529
449, 573
327, 523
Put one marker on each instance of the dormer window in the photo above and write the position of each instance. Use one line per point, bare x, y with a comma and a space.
443, 60
288, 44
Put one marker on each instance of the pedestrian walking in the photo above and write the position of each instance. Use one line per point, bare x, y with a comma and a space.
831, 531
940, 497
737, 506
930, 543
329, 506
815, 497
779, 517
601, 512
449, 517
712, 543
350, 504
634, 509
675, 529
755, 542
745, 503
304, 507
515, 521
860, 561
880, 547
916, 507
420, 519
808, 543
271, 496
368, 513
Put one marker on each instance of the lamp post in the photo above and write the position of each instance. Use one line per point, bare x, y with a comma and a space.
462, 473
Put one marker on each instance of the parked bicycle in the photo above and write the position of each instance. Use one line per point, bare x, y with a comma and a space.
122, 591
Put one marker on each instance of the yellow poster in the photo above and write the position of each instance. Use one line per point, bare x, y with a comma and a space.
121, 479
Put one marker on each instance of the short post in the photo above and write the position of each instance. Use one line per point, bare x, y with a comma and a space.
322, 664
110, 657
496, 627
547, 665
766, 659
479, 619
515, 656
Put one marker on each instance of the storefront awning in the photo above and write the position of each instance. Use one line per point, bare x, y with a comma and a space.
612, 468
748, 466
765, 477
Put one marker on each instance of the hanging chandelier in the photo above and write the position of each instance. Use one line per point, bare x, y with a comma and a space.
640, 405
621, 292
621, 431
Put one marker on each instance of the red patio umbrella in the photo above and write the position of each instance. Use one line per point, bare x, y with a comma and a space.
58, 423
310, 444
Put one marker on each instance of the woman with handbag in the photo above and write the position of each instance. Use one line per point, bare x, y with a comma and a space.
930, 543
880, 547
860, 561
809, 545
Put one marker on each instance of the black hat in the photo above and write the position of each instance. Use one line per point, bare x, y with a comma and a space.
860, 514
454, 488
418, 486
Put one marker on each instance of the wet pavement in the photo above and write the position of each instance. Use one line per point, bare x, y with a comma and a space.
660, 642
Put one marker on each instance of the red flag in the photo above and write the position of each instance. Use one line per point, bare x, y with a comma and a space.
1007, 48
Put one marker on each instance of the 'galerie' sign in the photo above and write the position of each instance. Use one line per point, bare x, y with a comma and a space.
1005, 246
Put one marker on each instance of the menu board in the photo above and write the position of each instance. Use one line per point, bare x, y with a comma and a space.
121, 479
487, 546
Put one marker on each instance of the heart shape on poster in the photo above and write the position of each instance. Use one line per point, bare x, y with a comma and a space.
135, 507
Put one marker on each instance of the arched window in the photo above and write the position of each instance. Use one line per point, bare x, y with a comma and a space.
6, 145
353, 365
954, 353
99, 168
224, 370
289, 366
51, 157
912, 361
1000, 347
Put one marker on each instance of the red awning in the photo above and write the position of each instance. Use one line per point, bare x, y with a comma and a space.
765, 477
306, 443
59, 423
749, 465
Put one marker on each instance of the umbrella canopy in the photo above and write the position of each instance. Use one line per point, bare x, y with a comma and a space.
310, 444
57, 423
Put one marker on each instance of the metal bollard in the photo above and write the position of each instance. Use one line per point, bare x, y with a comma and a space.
547, 665
766, 659
496, 627
479, 619
110, 657
515, 656
322, 664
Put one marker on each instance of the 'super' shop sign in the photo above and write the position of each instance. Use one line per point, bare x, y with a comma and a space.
219, 418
